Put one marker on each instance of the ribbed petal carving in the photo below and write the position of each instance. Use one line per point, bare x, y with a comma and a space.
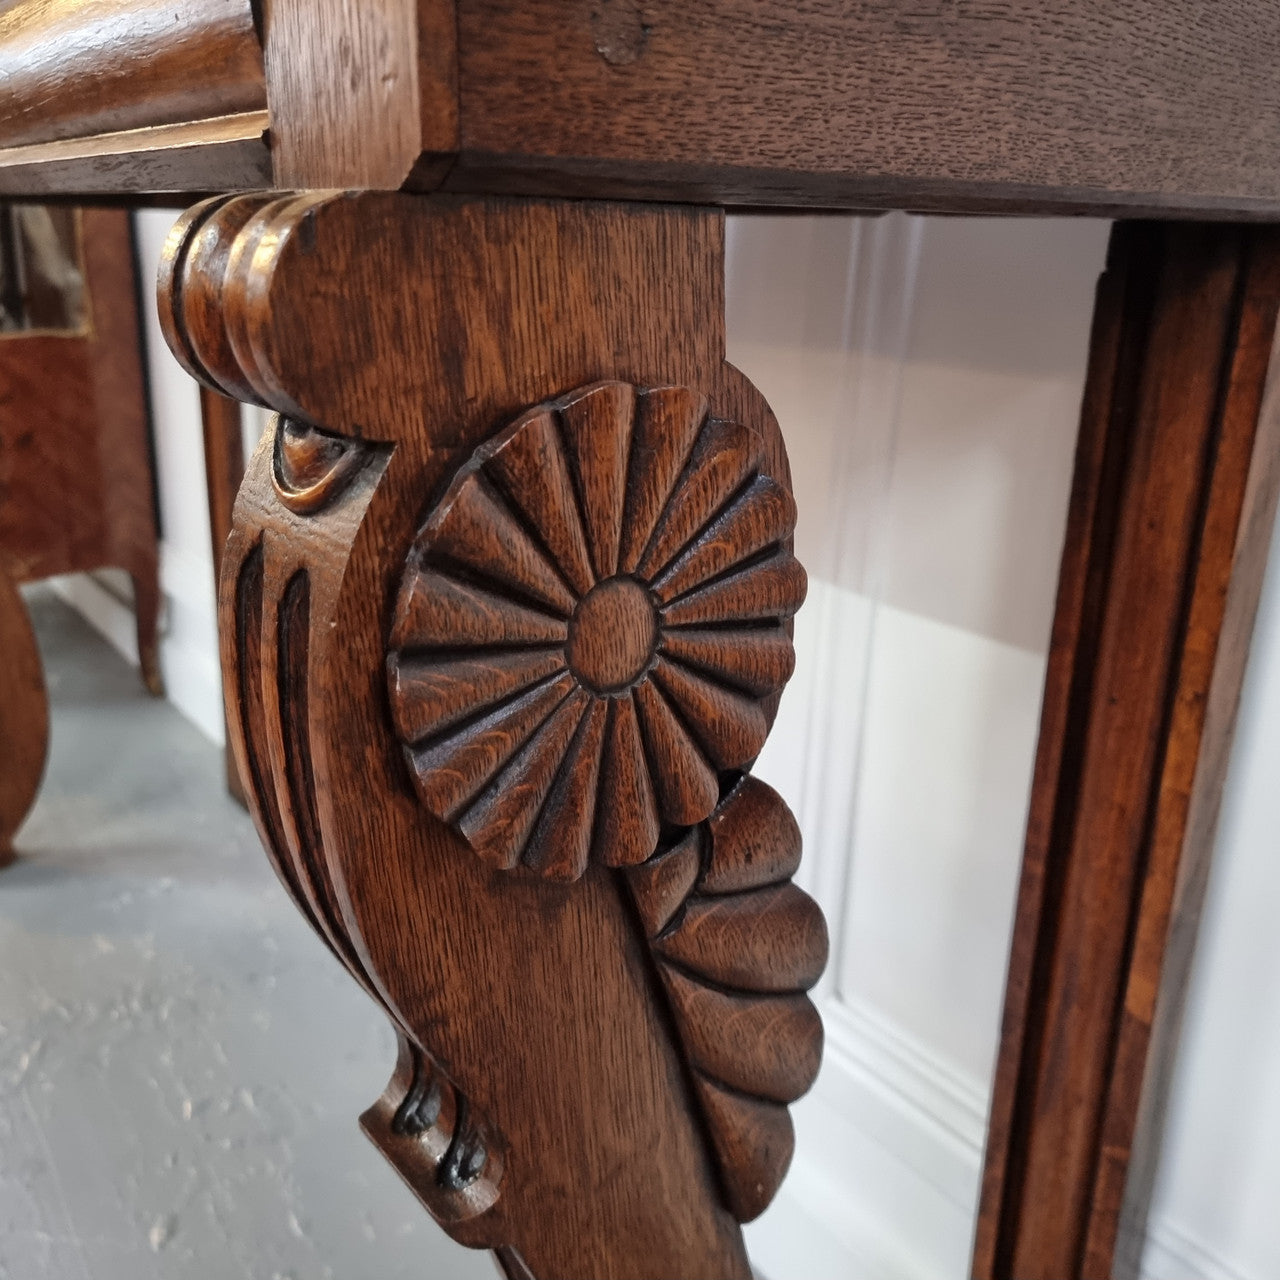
737, 945
588, 627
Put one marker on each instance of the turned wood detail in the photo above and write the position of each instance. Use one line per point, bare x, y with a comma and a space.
494, 674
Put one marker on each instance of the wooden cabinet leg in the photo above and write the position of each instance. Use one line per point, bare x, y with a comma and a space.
505, 618
24, 714
1169, 525
223, 471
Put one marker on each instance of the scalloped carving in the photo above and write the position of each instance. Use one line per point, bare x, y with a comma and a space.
737, 945
590, 622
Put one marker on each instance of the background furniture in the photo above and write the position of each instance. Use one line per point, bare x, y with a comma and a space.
76, 489
398, 333
24, 714
224, 469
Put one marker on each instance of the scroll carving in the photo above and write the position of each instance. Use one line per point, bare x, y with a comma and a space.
590, 621
495, 695
310, 468
737, 945
423, 1123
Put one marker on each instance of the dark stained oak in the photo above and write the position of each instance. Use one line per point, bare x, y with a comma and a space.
75, 68
226, 153
506, 609
1230, 566
510, 465
1155, 108
1175, 490
24, 713
535, 523
1153, 105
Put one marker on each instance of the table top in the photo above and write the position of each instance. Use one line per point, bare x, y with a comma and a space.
1152, 108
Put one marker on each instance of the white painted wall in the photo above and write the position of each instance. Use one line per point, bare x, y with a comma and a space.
928, 376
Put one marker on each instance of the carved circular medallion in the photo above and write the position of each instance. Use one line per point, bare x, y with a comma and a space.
612, 635
590, 623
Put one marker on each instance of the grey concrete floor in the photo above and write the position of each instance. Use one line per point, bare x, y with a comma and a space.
181, 1062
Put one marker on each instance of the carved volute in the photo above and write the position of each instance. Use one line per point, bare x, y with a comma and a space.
506, 615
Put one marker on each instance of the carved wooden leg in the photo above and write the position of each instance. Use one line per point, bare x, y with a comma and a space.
24, 714
505, 615
1175, 490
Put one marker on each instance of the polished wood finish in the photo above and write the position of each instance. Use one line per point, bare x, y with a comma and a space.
1020, 106
228, 153
24, 713
362, 95
1171, 512
594, 1069
223, 470
956, 107
76, 489
585, 553
74, 68
419, 794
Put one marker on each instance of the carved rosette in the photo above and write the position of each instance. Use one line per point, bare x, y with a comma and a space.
589, 627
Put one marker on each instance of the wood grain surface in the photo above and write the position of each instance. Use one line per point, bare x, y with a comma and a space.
362, 95
1170, 518
1160, 109
1010, 106
226, 153
591, 1080
72, 68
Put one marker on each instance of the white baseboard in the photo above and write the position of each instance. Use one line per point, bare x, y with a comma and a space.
886, 1176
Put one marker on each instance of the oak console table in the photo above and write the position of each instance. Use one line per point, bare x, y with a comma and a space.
506, 604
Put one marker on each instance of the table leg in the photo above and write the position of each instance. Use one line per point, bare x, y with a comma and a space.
505, 617
1170, 520
224, 471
